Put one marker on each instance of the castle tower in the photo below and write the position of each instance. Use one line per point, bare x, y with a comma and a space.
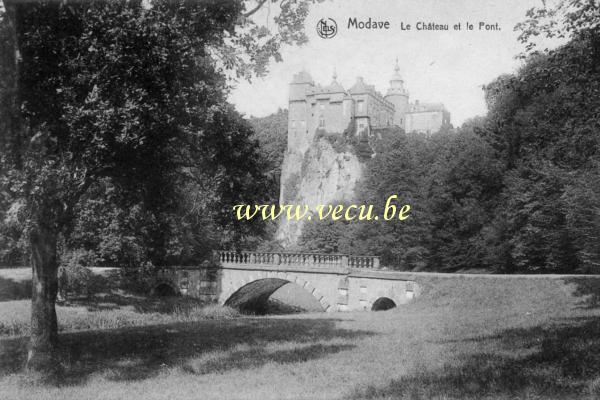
299, 108
398, 96
339, 110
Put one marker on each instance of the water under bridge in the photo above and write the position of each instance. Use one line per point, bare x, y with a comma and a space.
246, 280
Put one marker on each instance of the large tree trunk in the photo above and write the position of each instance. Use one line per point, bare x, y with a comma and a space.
42, 355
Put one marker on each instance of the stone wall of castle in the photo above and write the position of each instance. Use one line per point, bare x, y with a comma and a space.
426, 121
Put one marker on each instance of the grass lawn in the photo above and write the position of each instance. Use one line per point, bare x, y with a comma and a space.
465, 338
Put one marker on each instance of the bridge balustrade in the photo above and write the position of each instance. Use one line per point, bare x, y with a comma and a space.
232, 258
369, 262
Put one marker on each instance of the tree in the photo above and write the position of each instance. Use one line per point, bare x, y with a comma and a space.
131, 94
464, 183
322, 236
543, 124
271, 133
400, 167
582, 214
560, 19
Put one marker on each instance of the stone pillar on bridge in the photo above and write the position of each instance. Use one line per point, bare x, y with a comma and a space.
344, 261
342, 295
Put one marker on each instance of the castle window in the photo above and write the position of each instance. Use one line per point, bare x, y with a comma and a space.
321, 122
361, 106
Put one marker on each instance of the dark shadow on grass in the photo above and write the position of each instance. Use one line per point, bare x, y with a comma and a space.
554, 362
141, 352
258, 356
108, 301
588, 289
14, 290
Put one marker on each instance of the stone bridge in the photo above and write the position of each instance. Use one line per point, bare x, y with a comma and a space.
244, 280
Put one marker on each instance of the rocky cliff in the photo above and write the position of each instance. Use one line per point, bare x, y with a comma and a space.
324, 171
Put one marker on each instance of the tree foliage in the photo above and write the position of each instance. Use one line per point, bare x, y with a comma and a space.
559, 19
271, 134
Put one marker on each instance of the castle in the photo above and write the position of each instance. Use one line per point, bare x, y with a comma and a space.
361, 108
315, 173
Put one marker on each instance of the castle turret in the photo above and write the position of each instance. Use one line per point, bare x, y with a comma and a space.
298, 121
300, 86
398, 96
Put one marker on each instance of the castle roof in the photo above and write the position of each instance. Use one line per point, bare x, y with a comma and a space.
425, 107
397, 76
335, 90
360, 87
335, 87
302, 77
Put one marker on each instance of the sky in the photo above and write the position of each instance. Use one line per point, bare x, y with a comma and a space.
437, 66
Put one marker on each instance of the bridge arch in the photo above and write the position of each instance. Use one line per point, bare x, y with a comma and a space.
252, 293
165, 287
382, 304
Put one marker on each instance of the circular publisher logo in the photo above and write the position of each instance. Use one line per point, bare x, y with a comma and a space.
327, 28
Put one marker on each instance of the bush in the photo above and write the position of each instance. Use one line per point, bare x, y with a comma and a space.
74, 275
595, 387
14, 327
291, 188
75, 279
138, 280
16, 322
211, 311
